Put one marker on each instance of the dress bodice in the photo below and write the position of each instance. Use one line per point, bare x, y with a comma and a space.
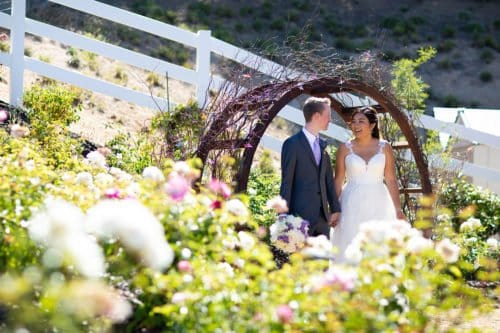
358, 170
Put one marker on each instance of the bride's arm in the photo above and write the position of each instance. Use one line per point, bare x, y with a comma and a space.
340, 169
391, 181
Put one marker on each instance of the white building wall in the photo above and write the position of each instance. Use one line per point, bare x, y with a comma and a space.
487, 157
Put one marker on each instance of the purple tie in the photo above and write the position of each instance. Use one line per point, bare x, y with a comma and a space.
317, 150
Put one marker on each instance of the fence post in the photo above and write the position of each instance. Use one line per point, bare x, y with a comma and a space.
203, 53
17, 51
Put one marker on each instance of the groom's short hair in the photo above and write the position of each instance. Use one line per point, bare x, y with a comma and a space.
314, 105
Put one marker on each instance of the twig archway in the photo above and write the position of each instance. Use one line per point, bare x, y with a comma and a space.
259, 106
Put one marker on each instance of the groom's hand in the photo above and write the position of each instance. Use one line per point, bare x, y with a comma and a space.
334, 219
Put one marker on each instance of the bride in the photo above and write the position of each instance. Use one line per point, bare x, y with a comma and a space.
364, 162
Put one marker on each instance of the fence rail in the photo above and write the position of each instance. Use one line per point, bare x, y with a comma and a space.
201, 76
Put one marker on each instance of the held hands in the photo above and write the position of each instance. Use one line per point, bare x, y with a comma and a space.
400, 215
334, 219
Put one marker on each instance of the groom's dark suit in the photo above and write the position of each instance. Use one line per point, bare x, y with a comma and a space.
308, 189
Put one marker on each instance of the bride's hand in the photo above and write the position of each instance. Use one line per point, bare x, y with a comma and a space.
400, 215
334, 219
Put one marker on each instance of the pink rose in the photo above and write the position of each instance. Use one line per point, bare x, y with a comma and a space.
177, 187
219, 187
4, 115
112, 193
216, 204
285, 313
344, 278
184, 266
262, 232
258, 316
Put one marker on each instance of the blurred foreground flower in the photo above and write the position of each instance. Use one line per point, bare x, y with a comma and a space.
136, 228
284, 313
470, 225
84, 178
94, 298
278, 204
336, 276
492, 243
236, 207
183, 169
177, 186
153, 173
448, 250
318, 247
19, 131
376, 238
219, 187
59, 226
4, 115
96, 159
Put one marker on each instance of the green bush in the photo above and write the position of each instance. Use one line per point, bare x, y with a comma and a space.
130, 154
451, 101
262, 187
345, 44
126, 34
25, 180
473, 28
222, 33
417, 20
246, 10
172, 52
28, 51
486, 76
390, 22
302, 5
446, 46
277, 24
496, 24
239, 27
51, 109
464, 16
153, 80
180, 129
487, 56
74, 60
199, 12
44, 58
257, 25
460, 195
4, 47
223, 11
448, 32
444, 64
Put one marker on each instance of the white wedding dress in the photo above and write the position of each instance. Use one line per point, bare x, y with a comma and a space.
364, 198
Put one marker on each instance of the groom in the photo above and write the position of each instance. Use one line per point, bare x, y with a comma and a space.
306, 171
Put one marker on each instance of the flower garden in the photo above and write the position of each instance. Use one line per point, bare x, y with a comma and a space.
119, 241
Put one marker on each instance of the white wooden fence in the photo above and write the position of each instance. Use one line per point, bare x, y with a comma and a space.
201, 76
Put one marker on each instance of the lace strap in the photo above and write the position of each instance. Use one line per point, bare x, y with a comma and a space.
348, 144
381, 145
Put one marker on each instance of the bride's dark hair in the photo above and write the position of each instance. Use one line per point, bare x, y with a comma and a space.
370, 113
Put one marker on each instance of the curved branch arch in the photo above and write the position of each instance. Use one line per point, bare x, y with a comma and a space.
261, 105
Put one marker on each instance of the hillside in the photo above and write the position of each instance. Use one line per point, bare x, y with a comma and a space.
466, 34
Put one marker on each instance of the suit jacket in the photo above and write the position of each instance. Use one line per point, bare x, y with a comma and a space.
308, 189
